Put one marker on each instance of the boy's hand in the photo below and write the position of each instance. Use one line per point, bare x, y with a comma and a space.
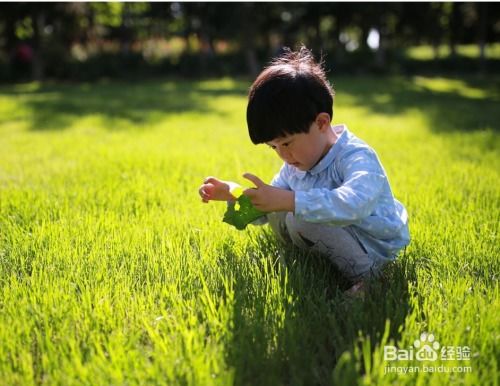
268, 198
215, 189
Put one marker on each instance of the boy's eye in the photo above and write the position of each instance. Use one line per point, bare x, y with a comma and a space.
285, 144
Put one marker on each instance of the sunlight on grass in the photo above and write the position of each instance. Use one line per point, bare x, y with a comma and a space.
455, 86
426, 52
113, 272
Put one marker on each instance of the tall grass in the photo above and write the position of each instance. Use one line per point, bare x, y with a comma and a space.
113, 272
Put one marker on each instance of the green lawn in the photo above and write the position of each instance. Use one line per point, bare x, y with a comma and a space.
426, 52
113, 272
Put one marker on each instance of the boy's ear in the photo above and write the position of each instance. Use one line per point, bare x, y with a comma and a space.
323, 121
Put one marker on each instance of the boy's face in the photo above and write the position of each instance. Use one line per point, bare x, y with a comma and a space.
304, 150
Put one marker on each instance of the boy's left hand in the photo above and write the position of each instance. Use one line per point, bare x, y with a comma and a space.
268, 198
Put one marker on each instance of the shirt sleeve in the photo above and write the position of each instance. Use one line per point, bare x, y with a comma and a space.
281, 178
355, 199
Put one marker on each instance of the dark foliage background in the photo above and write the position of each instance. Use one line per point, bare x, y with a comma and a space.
88, 41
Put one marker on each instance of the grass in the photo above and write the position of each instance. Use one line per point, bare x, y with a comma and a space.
113, 272
426, 52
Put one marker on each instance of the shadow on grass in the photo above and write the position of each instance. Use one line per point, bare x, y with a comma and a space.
56, 107
293, 330
450, 105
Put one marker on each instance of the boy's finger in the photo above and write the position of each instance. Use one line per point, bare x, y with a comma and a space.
210, 179
250, 192
256, 180
202, 191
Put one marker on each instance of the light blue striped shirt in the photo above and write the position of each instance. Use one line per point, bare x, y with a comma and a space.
349, 188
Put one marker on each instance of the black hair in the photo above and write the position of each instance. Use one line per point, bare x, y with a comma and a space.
287, 96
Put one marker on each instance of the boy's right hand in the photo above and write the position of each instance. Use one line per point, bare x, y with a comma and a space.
215, 189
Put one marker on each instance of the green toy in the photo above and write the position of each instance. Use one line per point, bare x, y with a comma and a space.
241, 212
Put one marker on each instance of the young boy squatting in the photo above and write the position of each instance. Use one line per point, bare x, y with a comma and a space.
332, 195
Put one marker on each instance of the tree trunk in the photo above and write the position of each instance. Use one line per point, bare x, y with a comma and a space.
380, 56
38, 69
248, 36
483, 23
454, 30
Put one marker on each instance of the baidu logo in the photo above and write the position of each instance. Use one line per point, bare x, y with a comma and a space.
427, 349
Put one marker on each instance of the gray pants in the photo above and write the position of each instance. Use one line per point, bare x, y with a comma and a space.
338, 244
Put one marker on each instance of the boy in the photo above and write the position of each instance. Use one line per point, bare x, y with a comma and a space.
331, 195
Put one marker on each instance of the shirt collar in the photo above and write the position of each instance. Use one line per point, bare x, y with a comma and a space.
332, 153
